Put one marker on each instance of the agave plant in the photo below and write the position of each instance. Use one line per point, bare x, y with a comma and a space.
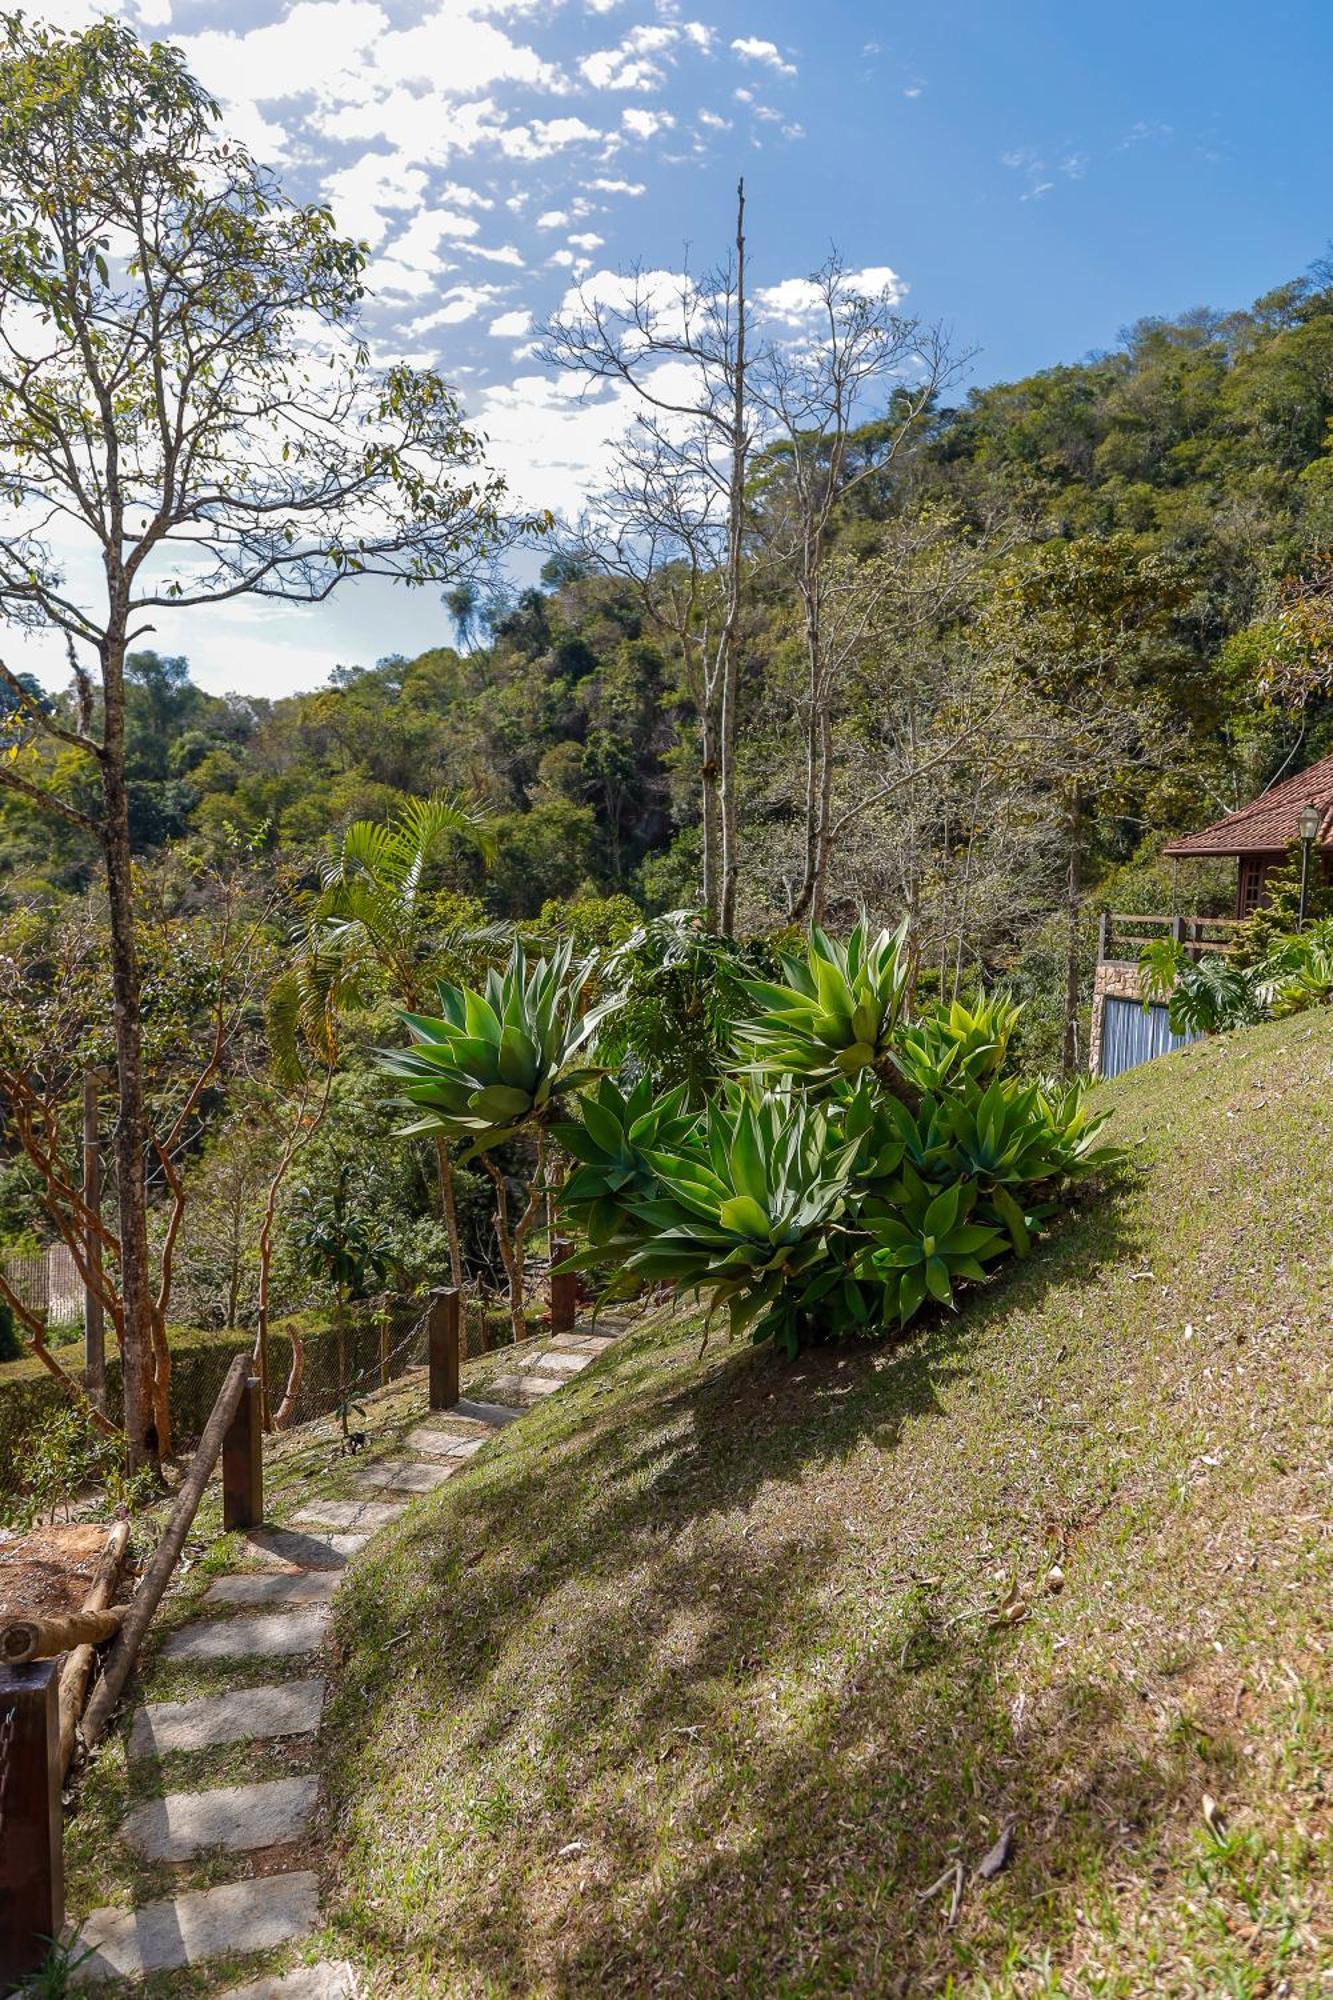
837, 1013
956, 1041
923, 1249
490, 1065
492, 1062
613, 1142
742, 1209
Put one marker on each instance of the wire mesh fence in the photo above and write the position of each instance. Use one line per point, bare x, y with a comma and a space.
48, 1283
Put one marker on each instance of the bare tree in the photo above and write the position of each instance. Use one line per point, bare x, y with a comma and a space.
679, 493
813, 394
187, 416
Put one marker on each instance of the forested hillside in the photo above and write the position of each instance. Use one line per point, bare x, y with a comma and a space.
1053, 622
1084, 577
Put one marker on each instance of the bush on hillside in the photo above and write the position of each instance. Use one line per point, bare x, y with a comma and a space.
860, 1166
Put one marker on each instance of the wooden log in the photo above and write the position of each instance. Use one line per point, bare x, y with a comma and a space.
156, 1577
243, 1461
444, 1345
78, 1668
24, 1639
32, 1870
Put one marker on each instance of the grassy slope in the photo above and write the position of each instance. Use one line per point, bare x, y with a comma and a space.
701, 1683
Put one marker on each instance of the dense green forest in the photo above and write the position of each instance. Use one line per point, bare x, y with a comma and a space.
1133, 519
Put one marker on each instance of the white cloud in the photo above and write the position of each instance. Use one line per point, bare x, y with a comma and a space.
587, 241
511, 325
750, 49
459, 303
553, 218
643, 124
792, 302
714, 121
505, 254
617, 187
361, 193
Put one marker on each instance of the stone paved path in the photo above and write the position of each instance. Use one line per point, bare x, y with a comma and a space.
281, 1613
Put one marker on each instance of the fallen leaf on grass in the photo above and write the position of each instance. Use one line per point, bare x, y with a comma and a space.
1212, 1814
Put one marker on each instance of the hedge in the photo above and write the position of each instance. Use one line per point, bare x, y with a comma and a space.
29, 1393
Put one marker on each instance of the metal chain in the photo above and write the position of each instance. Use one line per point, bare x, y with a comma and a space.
7, 1732
370, 1375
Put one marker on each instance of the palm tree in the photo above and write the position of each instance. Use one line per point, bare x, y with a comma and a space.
371, 918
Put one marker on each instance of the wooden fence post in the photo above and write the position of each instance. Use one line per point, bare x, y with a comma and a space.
243, 1461
32, 1869
1104, 937
564, 1288
444, 1342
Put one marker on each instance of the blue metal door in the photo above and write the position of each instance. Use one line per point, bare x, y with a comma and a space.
1132, 1035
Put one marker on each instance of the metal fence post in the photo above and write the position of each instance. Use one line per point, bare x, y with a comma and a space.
243, 1461
444, 1345
32, 1866
564, 1288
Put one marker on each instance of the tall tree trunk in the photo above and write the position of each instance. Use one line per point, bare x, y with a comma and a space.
449, 1208
142, 1425
709, 814
805, 896
1069, 1055
730, 638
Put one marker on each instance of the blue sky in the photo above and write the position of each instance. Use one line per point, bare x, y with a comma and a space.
1036, 174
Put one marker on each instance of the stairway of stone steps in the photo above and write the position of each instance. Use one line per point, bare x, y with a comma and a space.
279, 1610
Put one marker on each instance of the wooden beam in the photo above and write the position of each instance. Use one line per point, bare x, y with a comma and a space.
564, 1288
32, 1869
444, 1345
243, 1461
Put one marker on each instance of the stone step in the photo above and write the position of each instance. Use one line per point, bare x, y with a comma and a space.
297, 1586
235, 1918
365, 1516
583, 1343
331, 1979
278, 1633
560, 1361
494, 1414
298, 1551
526, 1388
404, 1476
237, 1818
243, 1716
443, 1444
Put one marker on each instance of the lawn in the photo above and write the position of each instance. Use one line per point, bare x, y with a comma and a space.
725, 1675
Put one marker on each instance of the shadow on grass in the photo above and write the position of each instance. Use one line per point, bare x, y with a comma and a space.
752, 1776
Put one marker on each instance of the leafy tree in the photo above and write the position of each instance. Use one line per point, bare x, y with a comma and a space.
373, 914
184, 391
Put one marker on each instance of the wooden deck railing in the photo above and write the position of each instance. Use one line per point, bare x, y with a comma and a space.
1122, 935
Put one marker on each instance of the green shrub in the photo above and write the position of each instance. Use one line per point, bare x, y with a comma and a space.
816, 1197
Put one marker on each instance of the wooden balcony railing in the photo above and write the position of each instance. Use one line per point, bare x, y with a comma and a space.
1121, 936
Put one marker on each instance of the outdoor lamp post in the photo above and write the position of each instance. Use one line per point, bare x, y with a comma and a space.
1309, 824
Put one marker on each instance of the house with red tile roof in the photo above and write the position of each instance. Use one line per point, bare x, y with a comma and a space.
1125, 1030
1260, 834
